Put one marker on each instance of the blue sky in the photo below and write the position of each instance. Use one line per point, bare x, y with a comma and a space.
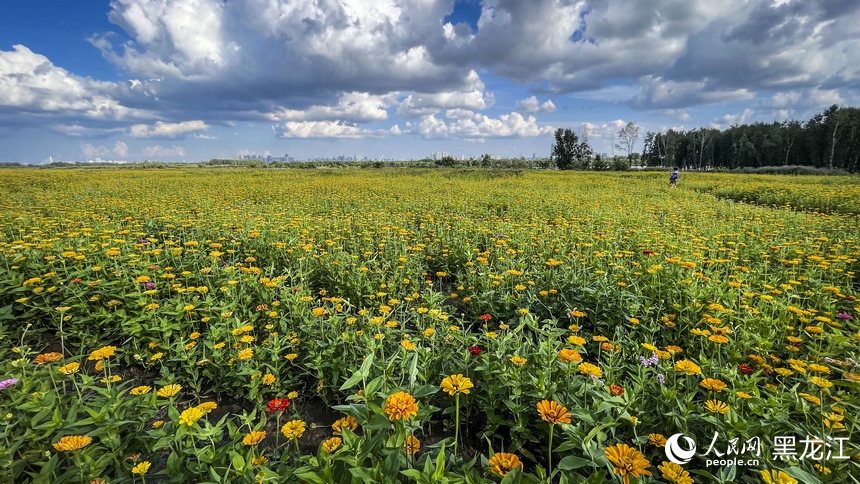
200, 79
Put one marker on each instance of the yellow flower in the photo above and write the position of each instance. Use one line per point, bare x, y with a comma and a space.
291, 356
657, 440
190, 415
156, 356
718, 338
70, 368
713, 384
141, 469
254, 438
349, 422
518, 361
717, 406
569, 356
688, 367
169, 390
501, 463
408, 345
268, 379
103, 352
821, 382
246, 354
777, 477
73, 442
258, 461
456, 384
400, 405
157, 424
674, 473
811, 398
627, 461
207, 407
331, 445
743, 395
412, 445
319, 311
293, 429
552, 412
815, 367
589, 369
293, 395
100, 366
112, 379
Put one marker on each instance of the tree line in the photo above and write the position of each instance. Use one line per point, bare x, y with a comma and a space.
829, 140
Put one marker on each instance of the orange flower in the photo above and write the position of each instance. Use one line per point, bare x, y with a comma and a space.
73, 442
48, 358
552, 412
627, 461
501, 463
254, 438
568, 356
400, 405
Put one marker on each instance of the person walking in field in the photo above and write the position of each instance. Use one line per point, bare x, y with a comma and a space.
673, 179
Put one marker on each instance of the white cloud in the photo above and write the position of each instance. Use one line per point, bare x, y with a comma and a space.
120, 149
458, 113
658, 93
352, 106
532, 105
164, 130
33, 86
728, 120
324, 129
471, 96
91, 151
512, 125
158, 151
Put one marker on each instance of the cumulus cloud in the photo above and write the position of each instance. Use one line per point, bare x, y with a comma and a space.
32, 87
158, 151
659, 93
91, 151
532, 105
120, 149
479, 126
729, 120
351, 106
162, 130
471, 96
354, 61
324, 129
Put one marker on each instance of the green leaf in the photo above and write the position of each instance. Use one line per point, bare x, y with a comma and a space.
237, 460
425, 391
802, 476
571, 462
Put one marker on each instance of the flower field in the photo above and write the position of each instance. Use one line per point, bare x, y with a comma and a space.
425, 326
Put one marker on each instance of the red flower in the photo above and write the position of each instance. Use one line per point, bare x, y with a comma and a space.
485, 317
75, 280
746, 370
648, 252
475, 350
616, 391
279, 404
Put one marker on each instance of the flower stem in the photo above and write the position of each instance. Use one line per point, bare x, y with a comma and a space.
456, 422
549, 449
